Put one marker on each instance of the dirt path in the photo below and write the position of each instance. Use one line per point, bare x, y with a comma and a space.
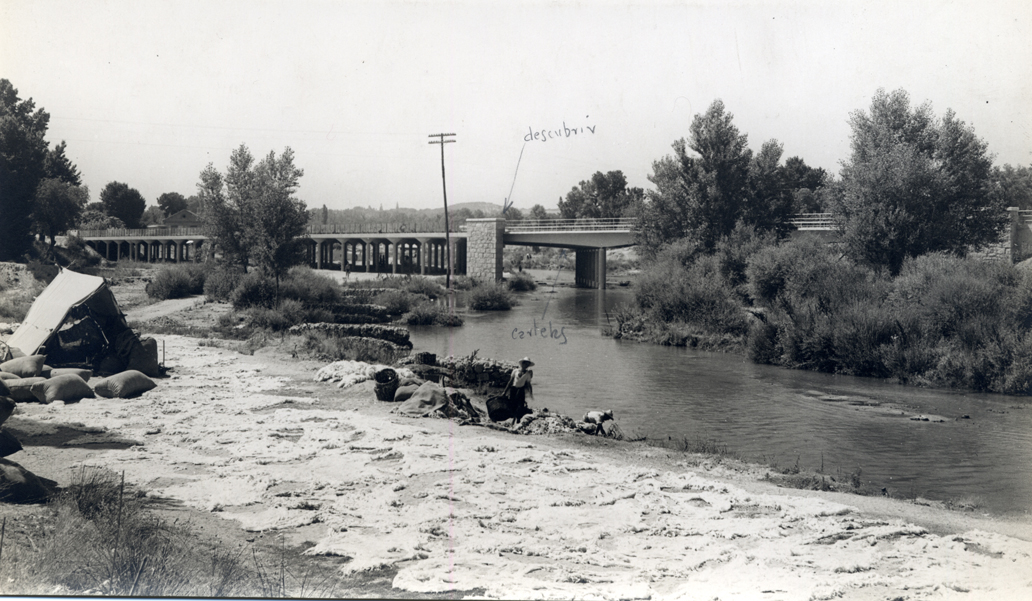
255, 440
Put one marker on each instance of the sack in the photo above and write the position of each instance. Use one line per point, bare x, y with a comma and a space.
403, 393
4, 390
68, 388
85, 374
21, 389
6, 376
144, 358
124, 385
24, 367
9, 445
7, 406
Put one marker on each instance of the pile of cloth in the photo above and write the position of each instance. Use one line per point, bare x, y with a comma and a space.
349, 373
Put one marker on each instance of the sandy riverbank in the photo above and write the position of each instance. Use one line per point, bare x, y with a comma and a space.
256, 441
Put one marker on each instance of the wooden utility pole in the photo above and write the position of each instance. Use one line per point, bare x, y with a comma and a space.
447, 224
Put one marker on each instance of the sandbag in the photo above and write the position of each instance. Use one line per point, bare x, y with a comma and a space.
4, 390
9, 445
68, 388
6, 376
19, 485
24, 367
7, 406
46, 371
144, 358
85, 374
404, 393
21, 389
124, 385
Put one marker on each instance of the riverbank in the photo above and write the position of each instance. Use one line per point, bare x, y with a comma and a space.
257, 442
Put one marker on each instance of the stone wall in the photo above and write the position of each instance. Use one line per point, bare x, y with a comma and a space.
484, 243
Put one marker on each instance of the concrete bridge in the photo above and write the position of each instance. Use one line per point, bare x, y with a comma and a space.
398, 248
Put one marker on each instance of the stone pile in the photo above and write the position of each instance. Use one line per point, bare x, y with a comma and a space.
471, 371
395, 335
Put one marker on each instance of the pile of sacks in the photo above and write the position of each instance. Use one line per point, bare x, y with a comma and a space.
349, 373
30, 379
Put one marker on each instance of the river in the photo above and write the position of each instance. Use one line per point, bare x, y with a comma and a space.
980, 451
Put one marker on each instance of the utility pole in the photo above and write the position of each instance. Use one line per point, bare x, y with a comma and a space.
447, 224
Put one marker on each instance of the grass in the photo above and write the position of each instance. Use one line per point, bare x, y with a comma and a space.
100, 537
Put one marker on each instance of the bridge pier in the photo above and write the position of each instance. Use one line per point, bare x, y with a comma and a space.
591, 268
485, 241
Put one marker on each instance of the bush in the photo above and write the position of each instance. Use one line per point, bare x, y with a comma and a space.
395, 301
432, 314
462, 282
521, 282
177, 281
311, 289
254, 290
338, 348
287, 313
425, 286
221, 282
490, 297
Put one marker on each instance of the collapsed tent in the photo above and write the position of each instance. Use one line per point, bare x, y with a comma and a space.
76, 322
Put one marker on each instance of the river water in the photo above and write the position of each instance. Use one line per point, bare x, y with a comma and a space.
765, 414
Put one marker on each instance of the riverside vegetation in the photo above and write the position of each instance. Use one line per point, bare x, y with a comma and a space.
942, 320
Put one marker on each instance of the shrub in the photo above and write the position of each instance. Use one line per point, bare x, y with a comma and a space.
395, 301
221, 282
490, 297
463, 282
521, 282
287, 313
432, 314
311, 289
177, 281
425, 286
254, 290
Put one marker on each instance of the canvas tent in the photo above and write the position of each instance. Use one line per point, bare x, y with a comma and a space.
76, 322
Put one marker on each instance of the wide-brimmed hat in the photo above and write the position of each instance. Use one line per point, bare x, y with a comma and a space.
527, 361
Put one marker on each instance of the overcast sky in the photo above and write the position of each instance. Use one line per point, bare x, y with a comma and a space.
149, 92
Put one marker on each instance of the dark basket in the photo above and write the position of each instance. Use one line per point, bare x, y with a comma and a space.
386, 384
426, 358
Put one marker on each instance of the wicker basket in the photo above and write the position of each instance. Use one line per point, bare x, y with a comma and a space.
386, 384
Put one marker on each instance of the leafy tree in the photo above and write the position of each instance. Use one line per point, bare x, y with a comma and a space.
769, 205
171, 203
23, 155
251, 213
704, 195
58, 166
1014, 185
538, 212
512, 214
152, 215
57, 207
805, 183
605, 195
915, 184
96, 219
123, 202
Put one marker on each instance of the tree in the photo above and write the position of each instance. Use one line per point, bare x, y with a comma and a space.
701, 196
58, 166
57, 207
123, 202
171, 203
325, 215
769, 201
805, 184
152, 215
96, 219
915, 184
251, 213
23, 155
605, 195
538, 212
1014, 185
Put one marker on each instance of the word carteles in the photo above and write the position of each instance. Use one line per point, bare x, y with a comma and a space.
541, 332
564, 132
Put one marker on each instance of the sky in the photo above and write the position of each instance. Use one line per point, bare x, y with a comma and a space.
149, 92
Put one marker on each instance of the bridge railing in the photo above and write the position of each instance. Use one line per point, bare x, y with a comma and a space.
1026, 217
138, 233
813, 221
574, 225
432, 226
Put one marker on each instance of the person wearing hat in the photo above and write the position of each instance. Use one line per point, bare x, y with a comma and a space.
519, 386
